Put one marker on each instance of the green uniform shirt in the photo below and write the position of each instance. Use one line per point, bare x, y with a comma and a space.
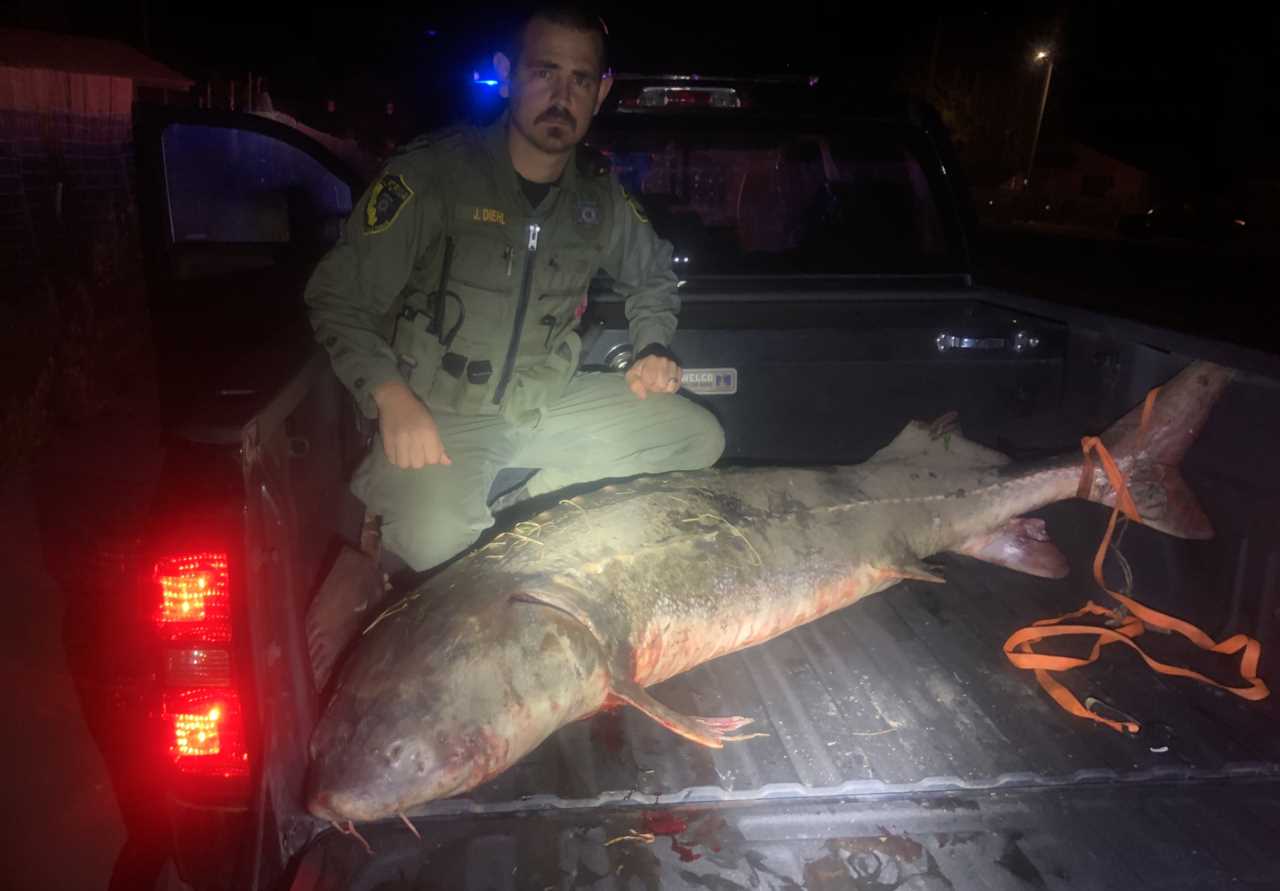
447, 278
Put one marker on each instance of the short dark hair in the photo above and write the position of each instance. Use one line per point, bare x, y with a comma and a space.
579, 16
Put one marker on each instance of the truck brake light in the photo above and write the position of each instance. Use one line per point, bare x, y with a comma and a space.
206, 732
195, 598
203, 720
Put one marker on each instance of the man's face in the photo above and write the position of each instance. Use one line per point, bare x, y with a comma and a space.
557, 87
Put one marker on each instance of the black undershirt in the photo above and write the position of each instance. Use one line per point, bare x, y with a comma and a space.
534, 192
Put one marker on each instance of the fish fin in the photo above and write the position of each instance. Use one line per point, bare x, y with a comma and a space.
1167, 503
947, 423
938, 445
1173, 421
567, 599
1022, 544
347, 597
710, 732
913, 571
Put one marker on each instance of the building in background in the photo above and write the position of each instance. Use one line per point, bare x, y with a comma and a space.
66, 112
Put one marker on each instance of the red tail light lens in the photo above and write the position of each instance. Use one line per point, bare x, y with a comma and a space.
195, 598
206, 732
203, 721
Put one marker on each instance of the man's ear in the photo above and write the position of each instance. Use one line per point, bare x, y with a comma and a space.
606, 84
502, 65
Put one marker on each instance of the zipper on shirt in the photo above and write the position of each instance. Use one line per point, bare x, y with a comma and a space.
509, 366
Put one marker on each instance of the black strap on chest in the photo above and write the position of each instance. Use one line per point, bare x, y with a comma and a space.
436, 300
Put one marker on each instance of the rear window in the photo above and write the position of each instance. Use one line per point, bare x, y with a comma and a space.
785, 201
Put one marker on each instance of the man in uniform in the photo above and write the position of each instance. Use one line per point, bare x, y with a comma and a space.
448, 307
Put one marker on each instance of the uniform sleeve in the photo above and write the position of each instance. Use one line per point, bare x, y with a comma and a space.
355, 285
640, 263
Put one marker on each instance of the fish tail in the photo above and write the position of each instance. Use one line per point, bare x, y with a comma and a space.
1148, 444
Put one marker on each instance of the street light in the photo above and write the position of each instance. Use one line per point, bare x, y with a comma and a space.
1041, 56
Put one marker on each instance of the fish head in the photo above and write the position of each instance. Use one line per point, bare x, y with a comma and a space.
432, 708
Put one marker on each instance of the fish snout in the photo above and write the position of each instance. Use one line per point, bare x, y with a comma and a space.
406, 755
340, 806
324, 805
375, 781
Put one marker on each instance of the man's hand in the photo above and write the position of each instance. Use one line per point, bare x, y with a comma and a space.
653, 374
410, 437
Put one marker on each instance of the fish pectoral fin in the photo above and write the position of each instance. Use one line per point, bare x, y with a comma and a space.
725, 727
918, 572
1022, 544
710, 732
349, 595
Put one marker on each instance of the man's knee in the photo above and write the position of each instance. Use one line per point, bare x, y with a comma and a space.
694, 439
426, 535
706, 438
427, 518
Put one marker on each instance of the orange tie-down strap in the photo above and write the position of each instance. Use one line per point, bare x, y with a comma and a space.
1139, 618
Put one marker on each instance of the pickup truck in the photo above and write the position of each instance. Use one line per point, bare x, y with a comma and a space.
826, 250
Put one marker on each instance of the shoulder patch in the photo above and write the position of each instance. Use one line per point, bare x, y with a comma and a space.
389, 196
633, 204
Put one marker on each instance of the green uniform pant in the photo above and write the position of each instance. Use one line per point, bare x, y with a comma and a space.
598, 429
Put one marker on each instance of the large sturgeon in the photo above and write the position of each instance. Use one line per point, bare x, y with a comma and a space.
611, 592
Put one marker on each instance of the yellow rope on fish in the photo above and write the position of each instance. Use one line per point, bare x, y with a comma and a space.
716, 518
398, 607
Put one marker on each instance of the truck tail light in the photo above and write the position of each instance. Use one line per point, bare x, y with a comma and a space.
195, 598
201, 708
197, 667
206, 732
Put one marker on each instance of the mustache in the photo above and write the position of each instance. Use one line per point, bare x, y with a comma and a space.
557, 114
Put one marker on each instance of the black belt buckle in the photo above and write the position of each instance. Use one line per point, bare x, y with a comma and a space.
479, 372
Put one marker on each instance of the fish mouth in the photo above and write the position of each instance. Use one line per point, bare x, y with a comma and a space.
338, 807
340, 802
324, 805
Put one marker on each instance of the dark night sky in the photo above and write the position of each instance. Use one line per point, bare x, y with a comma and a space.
1189, 94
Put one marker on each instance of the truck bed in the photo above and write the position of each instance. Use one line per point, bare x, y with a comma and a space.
901, 743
